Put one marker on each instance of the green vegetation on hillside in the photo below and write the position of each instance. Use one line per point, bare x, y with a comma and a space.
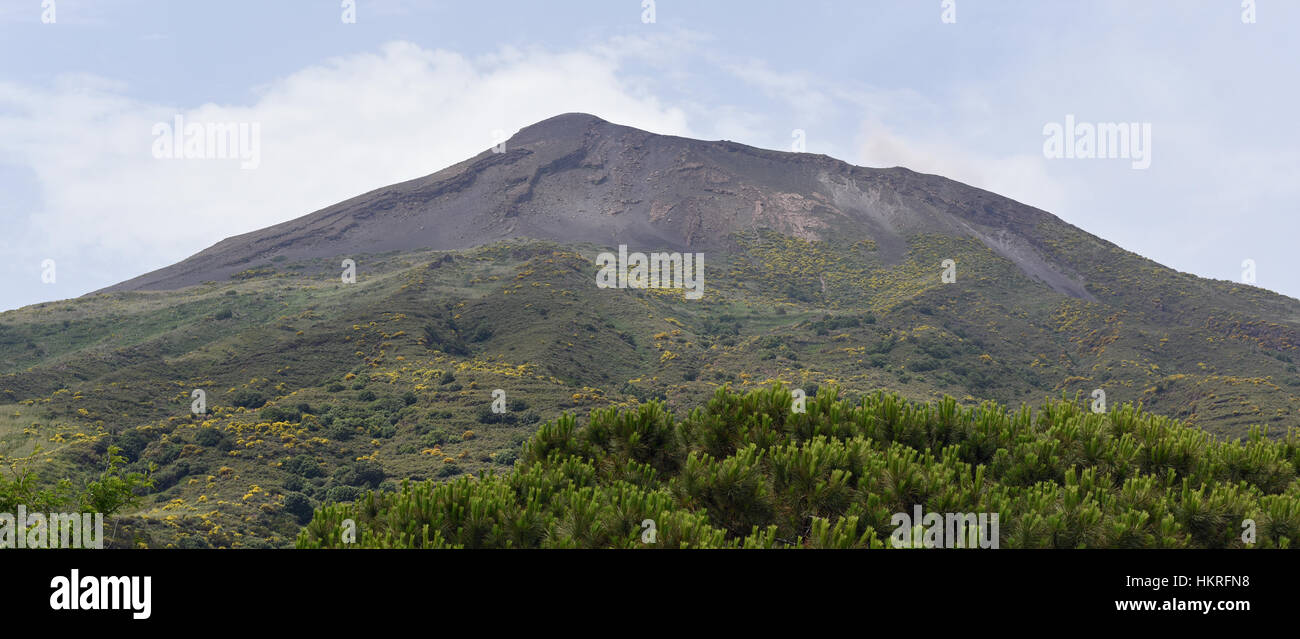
318, 391
746, 471
112, 491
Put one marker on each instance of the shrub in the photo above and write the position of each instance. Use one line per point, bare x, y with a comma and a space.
248, 399
298, 505
165, 454
446, 341
277, 414
132, 443
922, 364
343, 494
362, 474
340, 431
304, 466
170, 476
368, 473
192, 542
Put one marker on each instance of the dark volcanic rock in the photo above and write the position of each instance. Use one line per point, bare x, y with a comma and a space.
577, 178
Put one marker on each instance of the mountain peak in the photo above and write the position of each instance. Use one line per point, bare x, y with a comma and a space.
576, 178
565, 125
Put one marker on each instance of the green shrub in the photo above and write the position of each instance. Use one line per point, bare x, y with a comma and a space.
248, 399
132, 443
278, 414
340, 494
298, 505
367, 474
304, 466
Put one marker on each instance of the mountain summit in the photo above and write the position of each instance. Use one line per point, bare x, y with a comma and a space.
578, 178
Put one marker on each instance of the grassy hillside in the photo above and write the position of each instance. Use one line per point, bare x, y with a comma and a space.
319, 391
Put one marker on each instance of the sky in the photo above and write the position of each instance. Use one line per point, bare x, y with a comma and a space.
968, 89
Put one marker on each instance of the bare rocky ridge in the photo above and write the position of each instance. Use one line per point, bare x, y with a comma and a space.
577, 178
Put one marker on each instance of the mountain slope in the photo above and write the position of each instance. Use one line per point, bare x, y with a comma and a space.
481, 277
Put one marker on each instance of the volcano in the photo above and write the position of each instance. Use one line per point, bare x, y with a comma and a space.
498, 294
578, 178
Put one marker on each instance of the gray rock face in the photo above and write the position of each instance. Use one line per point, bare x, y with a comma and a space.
577, 178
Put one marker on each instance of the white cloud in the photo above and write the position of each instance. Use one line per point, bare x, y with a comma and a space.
1021, 177
796, 89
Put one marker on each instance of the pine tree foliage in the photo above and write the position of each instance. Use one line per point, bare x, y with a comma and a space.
744, 471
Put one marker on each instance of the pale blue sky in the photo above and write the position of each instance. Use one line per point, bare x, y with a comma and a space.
413, 86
